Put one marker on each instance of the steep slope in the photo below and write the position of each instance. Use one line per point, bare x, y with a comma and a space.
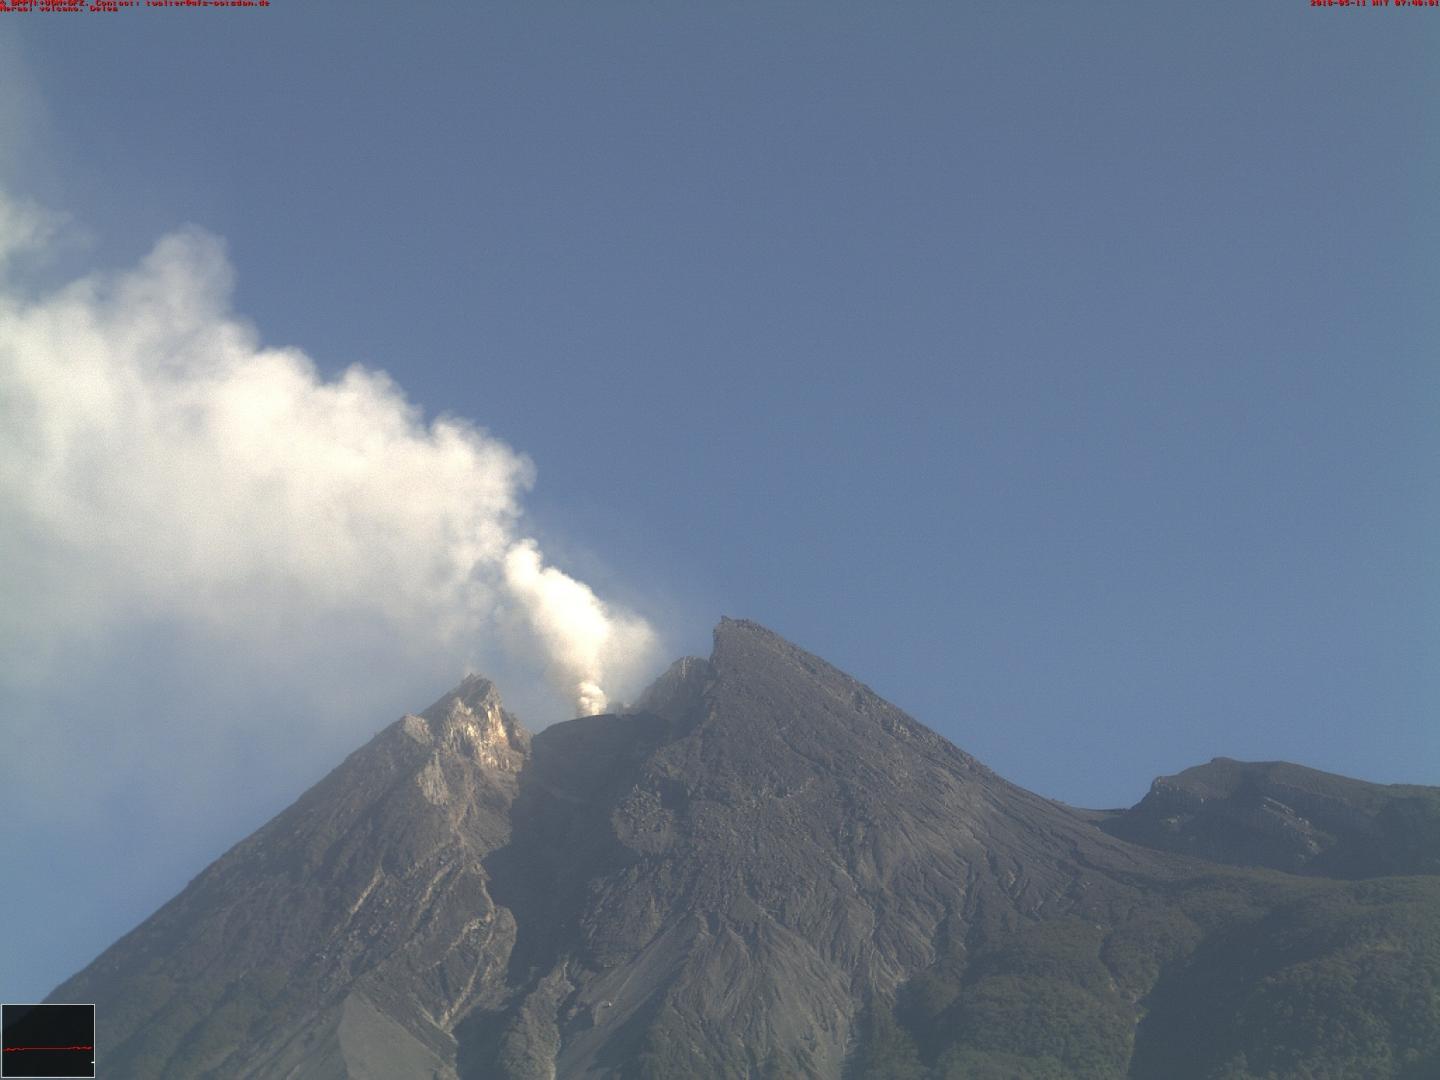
764, 853
1288, 817
342, 938
764, 870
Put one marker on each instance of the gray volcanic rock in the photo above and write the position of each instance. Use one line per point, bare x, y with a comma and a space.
756, 864
1288, 817
762, 870
344, 937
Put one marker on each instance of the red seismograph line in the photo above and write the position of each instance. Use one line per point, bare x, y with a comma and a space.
16, 1049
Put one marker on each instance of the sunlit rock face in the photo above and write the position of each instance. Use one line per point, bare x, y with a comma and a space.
470, 721
348, 935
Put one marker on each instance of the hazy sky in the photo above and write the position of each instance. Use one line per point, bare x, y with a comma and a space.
1068, 373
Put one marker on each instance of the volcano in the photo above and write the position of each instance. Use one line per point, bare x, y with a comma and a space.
764, 870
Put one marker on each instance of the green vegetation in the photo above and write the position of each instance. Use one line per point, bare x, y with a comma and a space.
1236, 977
1340, 982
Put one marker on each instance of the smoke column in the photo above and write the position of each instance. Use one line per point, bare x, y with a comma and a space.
157, 461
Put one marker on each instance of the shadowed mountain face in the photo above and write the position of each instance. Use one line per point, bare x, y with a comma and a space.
1290, 818
762, 871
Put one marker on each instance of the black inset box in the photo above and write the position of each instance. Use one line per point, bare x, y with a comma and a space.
48, 1040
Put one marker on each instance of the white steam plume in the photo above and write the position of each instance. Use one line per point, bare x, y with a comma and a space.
157, 462
581, 638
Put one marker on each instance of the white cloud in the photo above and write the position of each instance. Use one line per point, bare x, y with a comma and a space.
24, 227
158, 463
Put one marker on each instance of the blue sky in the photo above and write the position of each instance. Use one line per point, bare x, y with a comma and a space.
1067, 373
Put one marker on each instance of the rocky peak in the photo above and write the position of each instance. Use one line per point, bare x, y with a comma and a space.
677, 693
742, 634
471, 721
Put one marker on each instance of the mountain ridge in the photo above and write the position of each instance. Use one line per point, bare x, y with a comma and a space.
1288, 817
